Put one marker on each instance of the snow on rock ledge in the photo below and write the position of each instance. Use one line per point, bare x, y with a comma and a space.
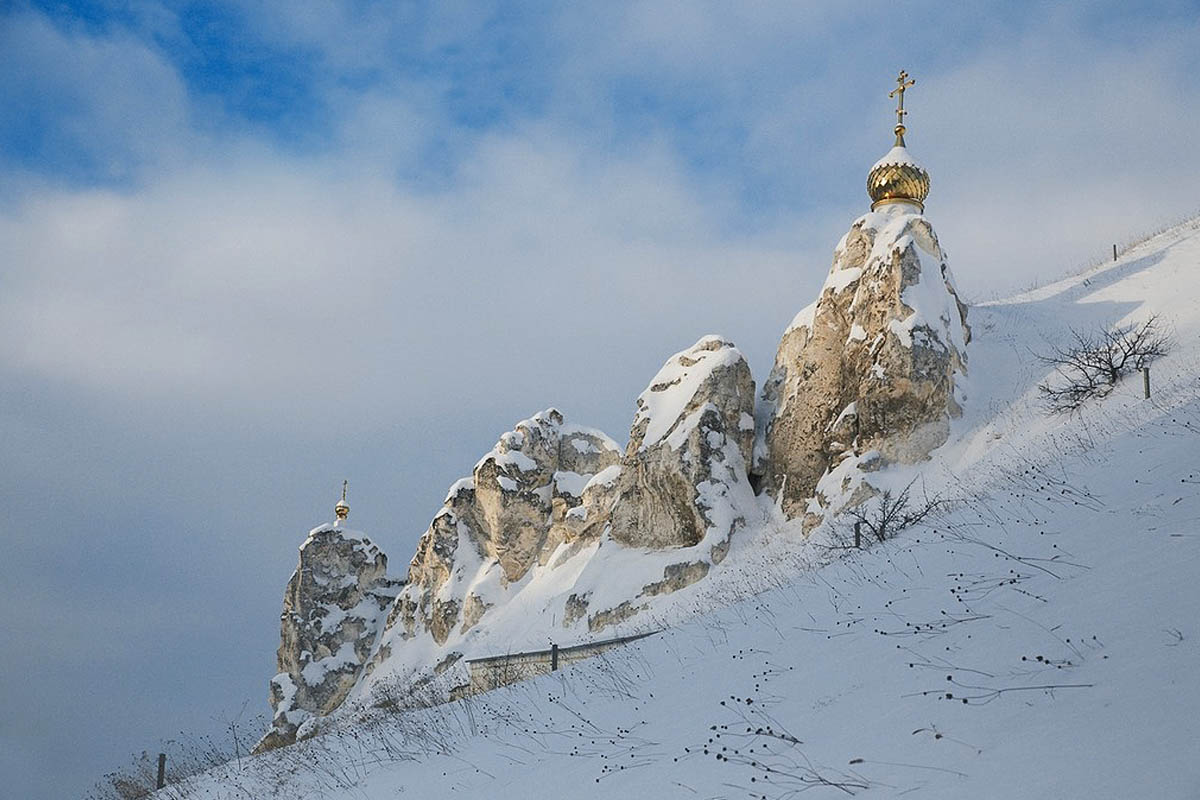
514, 511
689, 451
867, 372
555, 521
333, 609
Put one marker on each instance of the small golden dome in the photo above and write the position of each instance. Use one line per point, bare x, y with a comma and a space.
897, 177
342, 509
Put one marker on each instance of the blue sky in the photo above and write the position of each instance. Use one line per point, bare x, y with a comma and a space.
247, 253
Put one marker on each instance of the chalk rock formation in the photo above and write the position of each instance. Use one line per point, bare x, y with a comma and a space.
690, 442
868, 370
333, 609
514, 511
682, 489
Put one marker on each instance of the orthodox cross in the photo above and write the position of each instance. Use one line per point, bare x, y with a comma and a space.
902, 82
344, 485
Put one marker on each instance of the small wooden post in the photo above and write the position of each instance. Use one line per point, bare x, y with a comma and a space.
858, 535
1114, 252
162, 771
553, 658
1146, 381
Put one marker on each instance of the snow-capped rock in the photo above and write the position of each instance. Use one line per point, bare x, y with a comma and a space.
690, 444
553, 520
868, 370
557, 532
514, 511
333, 608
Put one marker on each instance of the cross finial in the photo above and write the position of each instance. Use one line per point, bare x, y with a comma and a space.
345, 484
903, 82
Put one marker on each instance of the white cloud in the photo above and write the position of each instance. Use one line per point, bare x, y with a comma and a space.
1046, 152
546, 254
260, 281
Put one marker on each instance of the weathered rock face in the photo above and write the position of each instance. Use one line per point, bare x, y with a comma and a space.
556, 526
870, 366
333, 609
515, 510
691, 440
682, 484
682, 488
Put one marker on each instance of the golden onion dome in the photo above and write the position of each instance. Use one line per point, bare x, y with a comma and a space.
897, 177
342, 509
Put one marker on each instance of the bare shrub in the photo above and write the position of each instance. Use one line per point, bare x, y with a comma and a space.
888, 513
1092, 363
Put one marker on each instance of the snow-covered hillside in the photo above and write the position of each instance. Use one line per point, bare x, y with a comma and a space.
1038, 637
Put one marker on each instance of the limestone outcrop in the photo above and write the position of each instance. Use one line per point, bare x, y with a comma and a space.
559, 528
691, 441
867, 371
550, 492
333, 609
682, 489
514, 511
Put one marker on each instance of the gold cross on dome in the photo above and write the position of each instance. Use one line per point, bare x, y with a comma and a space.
902, 82
344, 485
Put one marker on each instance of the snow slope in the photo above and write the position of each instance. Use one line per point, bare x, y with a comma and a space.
1039, 638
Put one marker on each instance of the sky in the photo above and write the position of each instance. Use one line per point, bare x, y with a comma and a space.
247, 253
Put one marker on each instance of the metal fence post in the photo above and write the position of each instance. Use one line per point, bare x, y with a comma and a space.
1146, 381
553, 658
162, 771
858, 535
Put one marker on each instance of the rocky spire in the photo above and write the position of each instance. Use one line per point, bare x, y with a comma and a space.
866, 375
333, 609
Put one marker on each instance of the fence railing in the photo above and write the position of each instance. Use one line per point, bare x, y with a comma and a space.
492, 672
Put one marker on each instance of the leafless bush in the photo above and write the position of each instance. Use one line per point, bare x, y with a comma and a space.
1092, 363
888, 513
